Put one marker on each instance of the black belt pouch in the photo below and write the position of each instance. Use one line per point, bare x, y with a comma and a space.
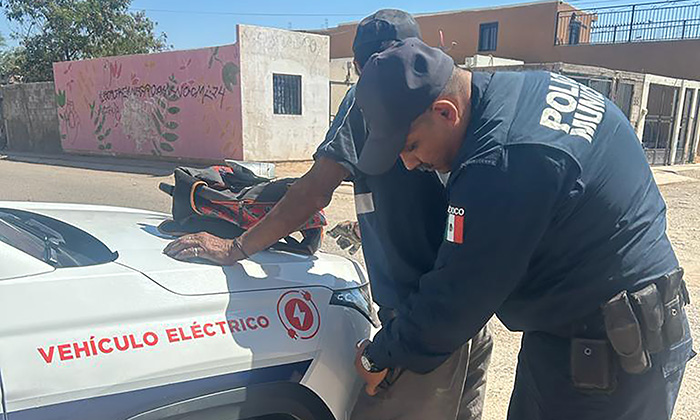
592, 365
648, 304
673, 328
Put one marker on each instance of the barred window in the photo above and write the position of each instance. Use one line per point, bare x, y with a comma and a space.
287, 94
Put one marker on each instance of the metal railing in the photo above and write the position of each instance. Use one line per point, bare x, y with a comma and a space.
657, 21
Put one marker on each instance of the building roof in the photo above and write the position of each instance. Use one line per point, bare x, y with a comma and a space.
454, 12
482, 9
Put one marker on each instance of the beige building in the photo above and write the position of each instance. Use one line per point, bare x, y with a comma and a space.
539, 33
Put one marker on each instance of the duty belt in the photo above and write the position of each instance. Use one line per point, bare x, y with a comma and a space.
634, 324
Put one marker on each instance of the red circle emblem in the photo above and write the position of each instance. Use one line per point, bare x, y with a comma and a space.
298, 314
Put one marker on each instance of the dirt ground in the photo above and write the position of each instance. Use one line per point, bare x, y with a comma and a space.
682, 195
683, 201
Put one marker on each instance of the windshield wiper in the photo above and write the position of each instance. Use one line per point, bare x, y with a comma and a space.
52, 239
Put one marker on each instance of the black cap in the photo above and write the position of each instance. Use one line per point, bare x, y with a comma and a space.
385, 25
396, 87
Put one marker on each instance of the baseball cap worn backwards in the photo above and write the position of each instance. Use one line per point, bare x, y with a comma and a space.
384, 25
396, 87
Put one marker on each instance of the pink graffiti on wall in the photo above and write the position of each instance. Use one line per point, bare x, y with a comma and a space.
171, 104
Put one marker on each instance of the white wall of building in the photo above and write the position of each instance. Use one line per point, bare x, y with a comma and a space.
480, 60
263, 52
342, 75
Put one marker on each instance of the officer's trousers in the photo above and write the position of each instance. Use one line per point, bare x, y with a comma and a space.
543, 388
455, 390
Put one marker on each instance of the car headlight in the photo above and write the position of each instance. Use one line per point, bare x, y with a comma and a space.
357, 298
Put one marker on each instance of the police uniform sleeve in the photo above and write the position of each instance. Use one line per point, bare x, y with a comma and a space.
506, 210
342, 138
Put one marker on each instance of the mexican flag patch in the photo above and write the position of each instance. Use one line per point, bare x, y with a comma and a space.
455, 225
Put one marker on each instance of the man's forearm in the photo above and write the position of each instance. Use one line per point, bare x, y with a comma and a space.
306, 196
292, 211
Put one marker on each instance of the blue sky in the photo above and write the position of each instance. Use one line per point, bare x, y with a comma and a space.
194, 24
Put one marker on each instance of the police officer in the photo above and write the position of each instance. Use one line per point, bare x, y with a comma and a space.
397, 250
555, 224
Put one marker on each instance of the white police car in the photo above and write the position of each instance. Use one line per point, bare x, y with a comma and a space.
98, 324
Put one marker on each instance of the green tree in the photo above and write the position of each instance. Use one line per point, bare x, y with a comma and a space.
8, 61
3, 52
65, 30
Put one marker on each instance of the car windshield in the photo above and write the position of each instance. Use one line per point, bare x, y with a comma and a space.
52, 241
21, 239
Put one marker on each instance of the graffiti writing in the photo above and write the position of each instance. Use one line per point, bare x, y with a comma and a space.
167, 104
203, 92
66, 114
112, 110
115, 71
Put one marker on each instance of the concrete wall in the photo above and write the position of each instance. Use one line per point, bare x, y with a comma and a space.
264, 51
526, 32
480, 60
31, 123
3, 135
679, 59
615, 77
210, 103
175, 104
343, 75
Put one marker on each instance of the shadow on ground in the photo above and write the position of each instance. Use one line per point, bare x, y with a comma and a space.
104, 163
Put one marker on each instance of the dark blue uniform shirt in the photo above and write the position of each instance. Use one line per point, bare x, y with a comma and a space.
552, 210
401, 213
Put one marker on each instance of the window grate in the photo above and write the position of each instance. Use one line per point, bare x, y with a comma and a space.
287, 94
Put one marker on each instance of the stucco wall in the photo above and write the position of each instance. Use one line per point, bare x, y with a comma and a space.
29, 111
181, 104
343, 76
524, 32
679, 59
264, 51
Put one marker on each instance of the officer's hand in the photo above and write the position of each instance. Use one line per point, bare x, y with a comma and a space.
347, 235
205, 246
372, 380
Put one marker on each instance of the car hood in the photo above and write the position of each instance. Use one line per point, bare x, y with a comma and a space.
133, 234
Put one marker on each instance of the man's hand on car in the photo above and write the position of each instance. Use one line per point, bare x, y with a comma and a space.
205, 246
